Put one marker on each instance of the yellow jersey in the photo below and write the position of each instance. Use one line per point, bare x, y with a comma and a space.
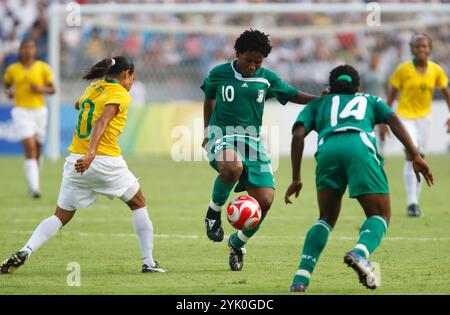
22, 78
417, 88
92, 103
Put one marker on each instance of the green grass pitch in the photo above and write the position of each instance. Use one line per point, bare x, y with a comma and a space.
414, 257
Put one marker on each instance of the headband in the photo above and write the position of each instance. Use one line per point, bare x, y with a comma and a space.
113, 62
345, 78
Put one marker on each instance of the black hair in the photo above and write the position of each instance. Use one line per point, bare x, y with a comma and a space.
109, 67
344, 86
421, 36
23, 43
253, 40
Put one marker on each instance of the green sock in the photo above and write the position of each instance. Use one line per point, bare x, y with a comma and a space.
240, 238
370, 235
315, 242
221, 192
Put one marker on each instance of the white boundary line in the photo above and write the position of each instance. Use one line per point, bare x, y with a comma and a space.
194, 236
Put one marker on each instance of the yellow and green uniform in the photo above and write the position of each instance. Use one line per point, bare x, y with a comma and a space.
39, 74
92, 104
417, 88
347, 151
237, 118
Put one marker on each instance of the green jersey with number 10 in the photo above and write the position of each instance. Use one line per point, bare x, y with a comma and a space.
341, 112
240, 100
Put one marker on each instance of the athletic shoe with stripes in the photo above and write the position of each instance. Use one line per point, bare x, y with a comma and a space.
363, 268
13, 262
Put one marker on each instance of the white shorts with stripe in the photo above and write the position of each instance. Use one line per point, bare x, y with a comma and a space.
30, 122
419, 131
107, 176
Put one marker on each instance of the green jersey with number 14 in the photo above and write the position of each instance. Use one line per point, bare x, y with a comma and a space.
340, 112
240, 100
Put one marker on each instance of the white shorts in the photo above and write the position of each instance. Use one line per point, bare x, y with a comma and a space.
30, 122
107, 176
419, 131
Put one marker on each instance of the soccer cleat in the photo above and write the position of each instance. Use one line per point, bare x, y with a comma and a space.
213, 226
13, 262
363, 268
155, 268
414, 210
236, 259
298, 287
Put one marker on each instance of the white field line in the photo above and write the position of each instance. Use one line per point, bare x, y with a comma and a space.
193, 236
182, 219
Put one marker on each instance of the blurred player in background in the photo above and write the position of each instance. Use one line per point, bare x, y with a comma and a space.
374, 83
235, 93
347, 155
27, 81
95, 165
416, 81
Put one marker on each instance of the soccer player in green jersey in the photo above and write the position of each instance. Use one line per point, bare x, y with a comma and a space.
235, 93
347, 155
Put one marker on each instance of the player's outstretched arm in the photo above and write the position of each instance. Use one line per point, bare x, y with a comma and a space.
110, 111
9, 91
419, 164
445, 91
392, 93
297, 146
208, 106
303, 98
46, 89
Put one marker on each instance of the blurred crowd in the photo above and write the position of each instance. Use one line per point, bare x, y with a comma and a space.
302, 60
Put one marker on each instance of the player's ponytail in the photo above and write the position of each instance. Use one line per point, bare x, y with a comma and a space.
111, 67
344, 79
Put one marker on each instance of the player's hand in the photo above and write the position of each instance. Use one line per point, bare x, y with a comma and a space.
10, 93
325, 92
205, 141
421, 167
295, 187
384, 132
448, 125
83, 163
36, 89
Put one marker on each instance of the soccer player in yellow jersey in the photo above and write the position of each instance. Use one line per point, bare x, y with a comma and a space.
95, 165
27, 81
416, 80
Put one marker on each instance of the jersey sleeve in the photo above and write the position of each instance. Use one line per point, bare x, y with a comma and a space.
396, 78
306, 118
441, 78
8, 76
120, 97
48, 74
381, 110
281, 90
209, 86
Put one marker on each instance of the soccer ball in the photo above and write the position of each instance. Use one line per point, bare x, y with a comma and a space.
244, 213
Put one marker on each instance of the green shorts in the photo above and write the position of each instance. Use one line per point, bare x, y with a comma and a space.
257, 168
351, 158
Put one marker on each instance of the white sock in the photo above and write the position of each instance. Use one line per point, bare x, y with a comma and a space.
45, 230
215, 207
32, 173
144, 230
419, 187
411, 186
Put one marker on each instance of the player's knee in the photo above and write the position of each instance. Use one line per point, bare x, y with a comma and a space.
232, 172
265, 203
